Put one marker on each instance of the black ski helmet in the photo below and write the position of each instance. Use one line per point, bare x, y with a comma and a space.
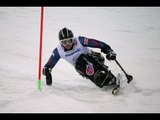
65, 34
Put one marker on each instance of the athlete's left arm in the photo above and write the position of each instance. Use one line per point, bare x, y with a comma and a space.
90, 42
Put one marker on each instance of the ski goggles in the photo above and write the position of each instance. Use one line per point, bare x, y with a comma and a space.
66, 41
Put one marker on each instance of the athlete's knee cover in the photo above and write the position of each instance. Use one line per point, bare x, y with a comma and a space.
87, 67
80, 65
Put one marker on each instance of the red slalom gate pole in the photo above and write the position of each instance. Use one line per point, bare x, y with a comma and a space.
40, 47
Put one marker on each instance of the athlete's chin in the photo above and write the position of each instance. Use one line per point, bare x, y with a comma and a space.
68, 47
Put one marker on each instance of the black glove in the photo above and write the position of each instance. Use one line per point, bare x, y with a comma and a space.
47, 72
111, 55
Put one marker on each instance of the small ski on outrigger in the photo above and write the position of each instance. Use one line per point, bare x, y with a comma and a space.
117, 86
116, 90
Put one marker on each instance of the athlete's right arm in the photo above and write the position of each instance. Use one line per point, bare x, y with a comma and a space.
54, 58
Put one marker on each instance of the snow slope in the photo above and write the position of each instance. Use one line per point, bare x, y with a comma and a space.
133, 33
